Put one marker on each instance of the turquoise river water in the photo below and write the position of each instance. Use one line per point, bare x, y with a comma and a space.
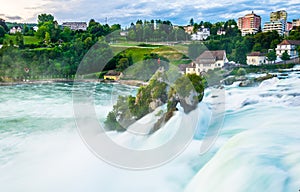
257, 148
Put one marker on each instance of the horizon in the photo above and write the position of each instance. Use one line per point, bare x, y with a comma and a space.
118, 12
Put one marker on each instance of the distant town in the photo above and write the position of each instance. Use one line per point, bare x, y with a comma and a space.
244, 41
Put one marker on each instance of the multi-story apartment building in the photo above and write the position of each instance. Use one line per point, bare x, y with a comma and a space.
278, 15
279, 26
249, 24
278, 22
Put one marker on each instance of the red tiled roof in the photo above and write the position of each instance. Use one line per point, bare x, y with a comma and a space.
256, 54
290, 42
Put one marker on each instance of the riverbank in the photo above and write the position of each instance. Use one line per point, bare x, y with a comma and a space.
135, 83
46, 81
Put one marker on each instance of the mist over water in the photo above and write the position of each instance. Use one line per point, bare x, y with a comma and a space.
257, 149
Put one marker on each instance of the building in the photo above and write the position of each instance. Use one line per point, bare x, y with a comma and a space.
288, 45
123, 33
278, 15
201, 34
221, 32
182, 68
35, 28
112, 75
191, 69
189, 29
210, 60
256, 58
15, 29
296, 22
249, 24
176, 27
75, 26
288, 26
278, 26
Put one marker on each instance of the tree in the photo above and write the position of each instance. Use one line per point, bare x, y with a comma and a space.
115, 27
26, 29
192, 22
123, 63
271, 56
285, 56
3, 24
265, 40
257, 47
20, 40
40, 34
241, 72
294, 34
249, 42
240, 53
47, 38
43, 18
66, 34
2, 31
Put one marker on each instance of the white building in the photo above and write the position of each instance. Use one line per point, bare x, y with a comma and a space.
221, 32
35, 28
208, 60
288, 45
75, 26
201, 34
278, 26
124, 33
256, 58
15, 29
191, 69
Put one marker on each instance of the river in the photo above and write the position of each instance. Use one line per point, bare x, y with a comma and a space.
257, 148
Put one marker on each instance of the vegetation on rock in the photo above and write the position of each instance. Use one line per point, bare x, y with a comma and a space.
187, 90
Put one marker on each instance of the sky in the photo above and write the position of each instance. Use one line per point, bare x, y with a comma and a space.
126, 11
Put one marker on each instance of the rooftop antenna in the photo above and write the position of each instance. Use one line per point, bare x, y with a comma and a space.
106, 19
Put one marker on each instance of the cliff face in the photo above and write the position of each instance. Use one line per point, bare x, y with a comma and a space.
186, 90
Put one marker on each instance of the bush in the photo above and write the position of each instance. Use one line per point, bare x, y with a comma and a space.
241, 72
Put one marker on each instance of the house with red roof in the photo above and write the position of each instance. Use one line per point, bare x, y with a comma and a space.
256, 58
290, 46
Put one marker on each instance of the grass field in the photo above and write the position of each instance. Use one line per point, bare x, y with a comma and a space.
27, 39
174, 54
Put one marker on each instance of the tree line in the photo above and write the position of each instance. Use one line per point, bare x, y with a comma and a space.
59, 51
156, 31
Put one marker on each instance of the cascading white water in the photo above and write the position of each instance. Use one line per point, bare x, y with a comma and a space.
262, 149
257, 149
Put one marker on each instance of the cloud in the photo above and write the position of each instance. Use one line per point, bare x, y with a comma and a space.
125, 12
11, 18
14, 18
